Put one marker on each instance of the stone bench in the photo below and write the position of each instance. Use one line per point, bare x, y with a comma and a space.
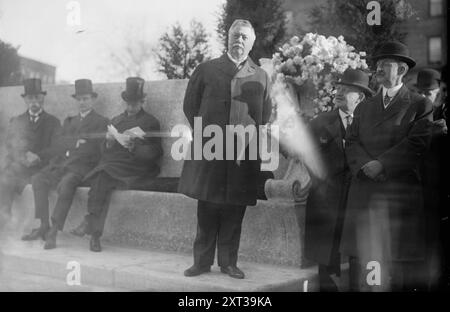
162, 219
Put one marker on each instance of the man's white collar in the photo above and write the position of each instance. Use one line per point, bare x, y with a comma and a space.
234, 60
35, 114
391, 92
85, 113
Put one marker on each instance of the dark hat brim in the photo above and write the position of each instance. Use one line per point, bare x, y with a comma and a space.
42, 92
94, 94
408, 60
366, 90
126, 98
427, 87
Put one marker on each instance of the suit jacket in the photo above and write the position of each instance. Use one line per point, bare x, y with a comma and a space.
385, 219
24, 135
131, 166
327, 196
85, 157
221, 95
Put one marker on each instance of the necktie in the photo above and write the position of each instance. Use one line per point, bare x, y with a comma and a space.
34, 118
348, 120
387, 100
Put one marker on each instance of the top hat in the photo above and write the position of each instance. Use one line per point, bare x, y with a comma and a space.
428, 79
32, 87
134, 90
395, 50
83, 87
356, 78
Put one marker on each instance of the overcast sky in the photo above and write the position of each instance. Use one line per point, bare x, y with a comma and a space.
40, 29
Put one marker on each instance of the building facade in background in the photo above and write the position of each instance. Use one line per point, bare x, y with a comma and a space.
426, 30
30, 68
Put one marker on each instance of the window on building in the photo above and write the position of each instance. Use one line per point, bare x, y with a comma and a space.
434, 50
436, 7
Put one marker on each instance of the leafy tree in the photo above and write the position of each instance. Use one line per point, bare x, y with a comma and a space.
182, 50
267, 18
9, 64
349, 19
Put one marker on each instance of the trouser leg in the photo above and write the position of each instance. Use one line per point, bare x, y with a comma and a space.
206, 237
229, 235
42, 183
99, 194
7, 193
66, 189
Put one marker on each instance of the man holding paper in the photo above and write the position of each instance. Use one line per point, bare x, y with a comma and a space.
127, 156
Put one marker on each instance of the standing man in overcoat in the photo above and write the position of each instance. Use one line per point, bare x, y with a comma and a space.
28, 145
384, 224
229, 90
325, 207
77, 153
122, 164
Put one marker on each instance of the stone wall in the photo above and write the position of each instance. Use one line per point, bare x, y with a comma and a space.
164, 100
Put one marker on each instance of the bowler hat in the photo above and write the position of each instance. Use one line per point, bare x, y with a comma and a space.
395, 50
134, 90
83, 87
356, 78
33, 86
428, 79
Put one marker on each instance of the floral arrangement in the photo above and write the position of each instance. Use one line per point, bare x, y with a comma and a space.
318, 59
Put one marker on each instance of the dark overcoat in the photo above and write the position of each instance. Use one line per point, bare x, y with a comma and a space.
37, 137
385, 220
142, 161
325, 206
211, 90
84, 158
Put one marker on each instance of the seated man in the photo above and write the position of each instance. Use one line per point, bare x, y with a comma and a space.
77, 153
122, 163
28, 146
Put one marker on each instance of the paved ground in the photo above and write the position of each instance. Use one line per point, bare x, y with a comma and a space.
26, 266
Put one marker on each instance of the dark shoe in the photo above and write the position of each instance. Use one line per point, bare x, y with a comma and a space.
50, 238
232, 271
94, 244
326, 284
81, 230
195, 270
36, 234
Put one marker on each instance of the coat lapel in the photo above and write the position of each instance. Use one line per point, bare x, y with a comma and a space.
226, 66
398, 103
35, 125
248, 69
334, 127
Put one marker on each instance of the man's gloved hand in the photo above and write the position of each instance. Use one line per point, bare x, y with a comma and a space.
372, 169
31, 159
439, 127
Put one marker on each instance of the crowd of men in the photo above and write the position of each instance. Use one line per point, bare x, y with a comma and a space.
383, 203
381, 200
82, 151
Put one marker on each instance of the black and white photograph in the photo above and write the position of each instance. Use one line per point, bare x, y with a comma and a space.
222, 151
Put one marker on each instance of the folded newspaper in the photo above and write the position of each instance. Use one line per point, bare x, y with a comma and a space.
136, 132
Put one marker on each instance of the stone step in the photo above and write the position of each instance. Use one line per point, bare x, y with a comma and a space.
271, 231
12, 281
142, 270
